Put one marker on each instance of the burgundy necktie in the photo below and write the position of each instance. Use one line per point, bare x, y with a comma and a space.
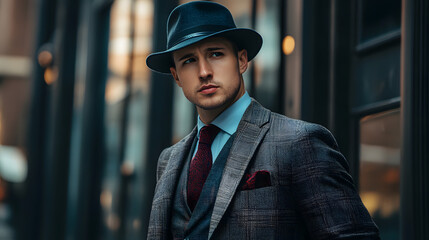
201, 164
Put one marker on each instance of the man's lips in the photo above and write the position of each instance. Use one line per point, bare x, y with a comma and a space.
208, 89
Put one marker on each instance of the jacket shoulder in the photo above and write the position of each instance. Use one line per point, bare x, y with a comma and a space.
295, 129
167, 154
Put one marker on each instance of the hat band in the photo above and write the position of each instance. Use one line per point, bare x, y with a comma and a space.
193, 32
193, 35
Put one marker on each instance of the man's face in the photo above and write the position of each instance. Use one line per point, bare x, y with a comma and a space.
209, 73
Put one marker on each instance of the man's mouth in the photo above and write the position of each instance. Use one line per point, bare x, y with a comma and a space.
208, 89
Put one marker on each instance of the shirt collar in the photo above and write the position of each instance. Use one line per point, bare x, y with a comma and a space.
229, 119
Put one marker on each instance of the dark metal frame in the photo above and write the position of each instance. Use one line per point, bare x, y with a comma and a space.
252, 89
339, 75
376, 42
282, 70
315, 61
415, 120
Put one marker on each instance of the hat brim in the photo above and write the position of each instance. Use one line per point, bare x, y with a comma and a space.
245, 39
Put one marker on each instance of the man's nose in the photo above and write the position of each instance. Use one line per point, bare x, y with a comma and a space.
205, 70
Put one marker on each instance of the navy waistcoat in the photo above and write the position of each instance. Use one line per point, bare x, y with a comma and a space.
196, 224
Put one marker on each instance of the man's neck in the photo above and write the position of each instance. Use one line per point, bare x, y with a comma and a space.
207, 116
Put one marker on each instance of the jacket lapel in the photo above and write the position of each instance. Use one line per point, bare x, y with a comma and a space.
166, 186
250, 132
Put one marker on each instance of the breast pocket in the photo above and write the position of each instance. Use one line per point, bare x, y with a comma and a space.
259, 198
264, 204
261, 213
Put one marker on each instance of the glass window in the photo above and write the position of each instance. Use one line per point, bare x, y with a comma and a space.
378, 18
377, 77
380, 141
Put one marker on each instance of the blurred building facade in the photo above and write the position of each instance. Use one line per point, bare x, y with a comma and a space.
83, 120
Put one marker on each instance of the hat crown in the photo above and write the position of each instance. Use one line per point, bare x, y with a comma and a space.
195, 19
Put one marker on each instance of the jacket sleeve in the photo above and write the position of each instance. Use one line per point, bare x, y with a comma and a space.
327, 199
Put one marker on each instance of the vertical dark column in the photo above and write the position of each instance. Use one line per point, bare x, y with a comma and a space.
252, 87
160, 110
339, 74
415, 120
315, 57
282, 68
55, 179
31, 209
85, 223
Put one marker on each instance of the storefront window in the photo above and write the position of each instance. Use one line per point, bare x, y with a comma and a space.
377, 77
375, 23
380, 141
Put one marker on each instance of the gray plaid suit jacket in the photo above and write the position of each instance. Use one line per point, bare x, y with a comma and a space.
311, 196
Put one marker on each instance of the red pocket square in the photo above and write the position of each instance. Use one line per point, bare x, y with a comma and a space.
257, 179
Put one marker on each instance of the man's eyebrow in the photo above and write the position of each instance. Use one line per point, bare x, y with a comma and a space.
209, 49
188, 55
214, 48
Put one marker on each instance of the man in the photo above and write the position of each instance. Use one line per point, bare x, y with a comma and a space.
243, 172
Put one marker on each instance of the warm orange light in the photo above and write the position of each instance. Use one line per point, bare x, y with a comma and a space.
51, 75
288, 45
371, 200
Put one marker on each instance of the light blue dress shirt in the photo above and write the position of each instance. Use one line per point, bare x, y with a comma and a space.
228, 122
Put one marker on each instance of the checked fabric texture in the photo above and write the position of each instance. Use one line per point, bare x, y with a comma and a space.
200, 164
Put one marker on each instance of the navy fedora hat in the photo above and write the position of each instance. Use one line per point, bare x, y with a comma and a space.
195, 21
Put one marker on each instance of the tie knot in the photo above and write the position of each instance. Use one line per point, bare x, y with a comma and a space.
208, 134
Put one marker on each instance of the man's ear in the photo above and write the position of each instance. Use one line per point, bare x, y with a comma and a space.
175, 76
242, 60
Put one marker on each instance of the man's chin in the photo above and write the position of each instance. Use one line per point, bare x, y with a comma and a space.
213, 105
209, 107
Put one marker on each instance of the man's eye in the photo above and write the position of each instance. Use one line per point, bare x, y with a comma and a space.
217, 54
189, 60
